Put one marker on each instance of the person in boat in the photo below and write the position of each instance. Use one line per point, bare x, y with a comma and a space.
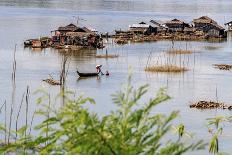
98, 67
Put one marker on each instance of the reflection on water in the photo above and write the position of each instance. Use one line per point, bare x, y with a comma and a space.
21, 19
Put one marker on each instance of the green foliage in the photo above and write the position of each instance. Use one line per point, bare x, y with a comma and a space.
130, 129
215, 127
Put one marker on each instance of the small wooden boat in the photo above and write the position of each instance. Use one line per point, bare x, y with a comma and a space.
87, 74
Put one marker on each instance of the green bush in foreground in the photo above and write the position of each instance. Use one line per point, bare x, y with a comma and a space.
128, 130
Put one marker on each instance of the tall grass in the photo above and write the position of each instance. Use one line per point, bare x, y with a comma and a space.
167, 63
179, 51
166, 68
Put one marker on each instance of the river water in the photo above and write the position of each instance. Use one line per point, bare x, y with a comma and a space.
23, 19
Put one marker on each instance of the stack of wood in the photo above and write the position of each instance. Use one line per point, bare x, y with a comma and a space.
210, 105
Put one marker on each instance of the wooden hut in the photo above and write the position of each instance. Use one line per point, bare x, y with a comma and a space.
142, 29
203, 22
65, 35
209, 26
176, 25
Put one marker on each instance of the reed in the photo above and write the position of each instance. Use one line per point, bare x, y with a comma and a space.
32, 119
64, 70
148, 59
212, 48
166, 68
5, 130
169, 62
48, 117
12, 94
27, 105
17, 118
14, 65
107, 56
179, 51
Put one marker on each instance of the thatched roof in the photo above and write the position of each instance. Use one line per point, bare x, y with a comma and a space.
74, 28
216, 26
82, 29
158, 24
175, 21
142, 23
70, 27
205, 20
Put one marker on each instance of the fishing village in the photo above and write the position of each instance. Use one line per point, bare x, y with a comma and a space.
116, 77
74, 37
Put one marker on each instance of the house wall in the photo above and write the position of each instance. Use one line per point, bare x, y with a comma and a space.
175, 27
151, 30
213, 32
205, 27
229, 28
139, 30
200, 25
36, 44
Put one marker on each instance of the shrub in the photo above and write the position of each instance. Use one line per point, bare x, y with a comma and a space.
129, 129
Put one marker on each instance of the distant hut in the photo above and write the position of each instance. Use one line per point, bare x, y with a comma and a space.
216, 30
176, 25
71, 34
229, 26
142, 29
203, 22
161, 27
209, 26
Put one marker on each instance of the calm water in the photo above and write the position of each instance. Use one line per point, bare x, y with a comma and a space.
21, 19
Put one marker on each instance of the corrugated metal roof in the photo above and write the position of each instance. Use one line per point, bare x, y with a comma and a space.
139, 26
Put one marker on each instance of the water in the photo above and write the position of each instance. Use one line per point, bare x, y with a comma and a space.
21, 19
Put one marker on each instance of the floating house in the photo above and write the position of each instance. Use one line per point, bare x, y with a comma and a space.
229, 26
203, 22
77, 36
210, 27
176, 25
142, 29
38, 43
